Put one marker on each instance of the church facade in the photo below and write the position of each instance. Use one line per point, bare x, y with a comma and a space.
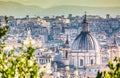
85, 50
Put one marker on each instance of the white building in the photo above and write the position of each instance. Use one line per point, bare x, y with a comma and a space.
85, 49
84, 54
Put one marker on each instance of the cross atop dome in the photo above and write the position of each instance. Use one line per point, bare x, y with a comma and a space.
85, 18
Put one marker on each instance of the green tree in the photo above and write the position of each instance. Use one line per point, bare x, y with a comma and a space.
4, 29
114, 71
23, 65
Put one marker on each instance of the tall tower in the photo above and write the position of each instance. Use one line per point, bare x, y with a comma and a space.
114, 49
66, 52
29, 37
29, 40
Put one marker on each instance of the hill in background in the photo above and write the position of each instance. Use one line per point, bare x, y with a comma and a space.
19, 10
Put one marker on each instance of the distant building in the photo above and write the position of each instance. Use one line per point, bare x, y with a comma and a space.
114, 49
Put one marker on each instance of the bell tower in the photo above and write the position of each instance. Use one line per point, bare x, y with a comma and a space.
66, 52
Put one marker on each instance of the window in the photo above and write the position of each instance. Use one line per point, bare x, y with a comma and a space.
89, 70
43, 61
40, 61
91, 61
81, 62
44, 66
66, 55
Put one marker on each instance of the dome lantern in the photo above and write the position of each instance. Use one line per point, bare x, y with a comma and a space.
85, 27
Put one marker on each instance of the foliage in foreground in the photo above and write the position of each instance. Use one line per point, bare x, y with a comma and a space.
22, 65
114, 71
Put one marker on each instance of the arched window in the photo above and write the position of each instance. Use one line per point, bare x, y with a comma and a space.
40, 61
43, 61
81, 62
46, 60
91, 61
66, 55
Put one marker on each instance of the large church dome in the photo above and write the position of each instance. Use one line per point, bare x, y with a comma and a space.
85, 41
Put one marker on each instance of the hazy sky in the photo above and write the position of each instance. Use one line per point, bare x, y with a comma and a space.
50, 3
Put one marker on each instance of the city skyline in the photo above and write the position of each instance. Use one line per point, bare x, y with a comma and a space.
79, 46
59, 38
